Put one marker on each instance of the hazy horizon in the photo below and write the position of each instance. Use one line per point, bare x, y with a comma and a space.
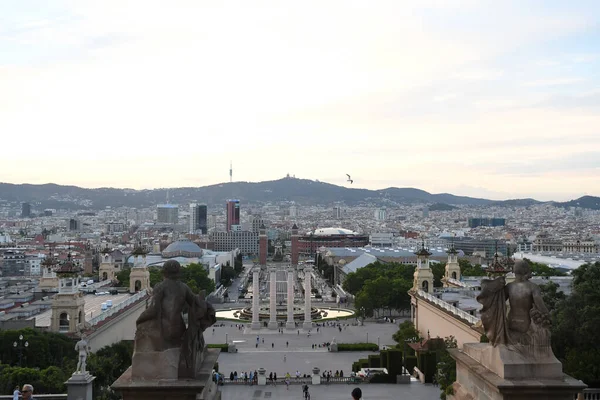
477, 98
268, 180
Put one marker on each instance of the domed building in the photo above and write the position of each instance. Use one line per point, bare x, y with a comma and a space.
309, 243
182, 248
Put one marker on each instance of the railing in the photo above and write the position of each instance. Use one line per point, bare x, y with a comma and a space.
39, 396
280, 381
449, 307
116, 308
459, 283
588, 394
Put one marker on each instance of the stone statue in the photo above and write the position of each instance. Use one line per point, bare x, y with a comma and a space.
162, 336
83, 349
526, 326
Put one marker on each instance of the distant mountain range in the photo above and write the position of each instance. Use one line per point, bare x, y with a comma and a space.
300, 191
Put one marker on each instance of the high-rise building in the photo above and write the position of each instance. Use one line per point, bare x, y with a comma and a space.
337, 212
476, 222
293, 211
257, 221
381, 214
233, 214
25, 210
167, 213
198, 215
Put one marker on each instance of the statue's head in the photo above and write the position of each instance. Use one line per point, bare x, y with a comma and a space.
171, 269
522, 268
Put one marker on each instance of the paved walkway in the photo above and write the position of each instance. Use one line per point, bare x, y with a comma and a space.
413, 391
274, 355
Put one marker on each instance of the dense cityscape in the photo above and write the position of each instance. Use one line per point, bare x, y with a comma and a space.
82, 273
300, 200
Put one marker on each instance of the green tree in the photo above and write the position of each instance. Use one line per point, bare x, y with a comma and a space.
576, 323
156, 275
468, 269
538, 269
227, 276
446, 368
123, 277
551, 295
438, 270
238, 263
107, 364
197, 273
406, 332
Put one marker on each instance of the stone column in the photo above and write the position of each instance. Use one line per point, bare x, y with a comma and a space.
79, 386
262, 377
316, 378
273, 298
255, 298
290, 299
307, 303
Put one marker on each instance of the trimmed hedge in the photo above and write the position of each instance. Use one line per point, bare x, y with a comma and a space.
374, 361
357, 347
223, 346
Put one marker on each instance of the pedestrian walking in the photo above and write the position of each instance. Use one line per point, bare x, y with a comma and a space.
16, 393
287, 344
275, 378
272, 345
284, 358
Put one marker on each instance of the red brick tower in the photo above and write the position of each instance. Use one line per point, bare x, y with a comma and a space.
295, 250
262, 245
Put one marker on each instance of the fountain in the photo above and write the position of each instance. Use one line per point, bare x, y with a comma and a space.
277, 311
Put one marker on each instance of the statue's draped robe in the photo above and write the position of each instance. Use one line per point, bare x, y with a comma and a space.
493, 312
200, 316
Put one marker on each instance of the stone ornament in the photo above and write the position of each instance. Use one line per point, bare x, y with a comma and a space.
162, 336
83, 349
525, 327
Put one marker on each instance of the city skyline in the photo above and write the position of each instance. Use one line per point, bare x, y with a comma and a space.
471, 98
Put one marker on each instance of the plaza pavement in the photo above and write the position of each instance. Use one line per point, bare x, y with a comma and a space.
299, 356
413, 391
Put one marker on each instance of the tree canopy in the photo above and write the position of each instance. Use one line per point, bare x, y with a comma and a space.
538, 269
380, 286
576, 323
468, 269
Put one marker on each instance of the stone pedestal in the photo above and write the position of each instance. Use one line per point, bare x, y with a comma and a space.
290, 300
333, 347
273, 298
307, 299
201, 388
155, 364
497, 373
255, 298
262, 377
232, 348
316, 377
79, 386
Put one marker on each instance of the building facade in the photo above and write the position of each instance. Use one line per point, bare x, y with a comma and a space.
246, 241
198, 218
167, 214
233, 214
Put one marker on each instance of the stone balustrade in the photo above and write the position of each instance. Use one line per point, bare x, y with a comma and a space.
116, 308
448, 307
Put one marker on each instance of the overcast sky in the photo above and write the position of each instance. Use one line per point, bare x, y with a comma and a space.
497, 99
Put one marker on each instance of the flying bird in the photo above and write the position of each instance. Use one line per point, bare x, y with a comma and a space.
350, 179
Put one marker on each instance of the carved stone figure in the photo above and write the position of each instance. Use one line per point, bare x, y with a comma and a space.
526, 326
162, 336
84, 350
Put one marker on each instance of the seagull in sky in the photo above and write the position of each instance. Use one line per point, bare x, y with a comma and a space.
350, 179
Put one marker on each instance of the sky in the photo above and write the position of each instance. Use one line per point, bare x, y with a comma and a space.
495, 99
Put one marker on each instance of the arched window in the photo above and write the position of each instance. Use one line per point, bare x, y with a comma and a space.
104, 276
138, 285
454, 275
80, 319
63, 322
425, 286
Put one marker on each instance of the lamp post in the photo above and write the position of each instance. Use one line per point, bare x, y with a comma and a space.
378, 342
367, 337
20, 346
226, 338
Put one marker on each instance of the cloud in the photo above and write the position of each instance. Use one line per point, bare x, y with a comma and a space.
554, 82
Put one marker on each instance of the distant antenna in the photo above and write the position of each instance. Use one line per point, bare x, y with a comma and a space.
230, 172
